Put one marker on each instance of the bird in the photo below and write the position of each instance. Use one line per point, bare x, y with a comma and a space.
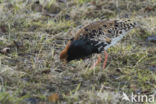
95, 38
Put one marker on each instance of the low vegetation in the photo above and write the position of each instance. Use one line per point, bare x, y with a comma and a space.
32, 34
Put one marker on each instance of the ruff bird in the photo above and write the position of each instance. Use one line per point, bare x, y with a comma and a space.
95, 37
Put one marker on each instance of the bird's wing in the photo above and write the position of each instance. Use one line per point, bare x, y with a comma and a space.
108, 32
93, 31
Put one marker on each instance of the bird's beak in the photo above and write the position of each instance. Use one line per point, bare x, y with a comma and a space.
63, 61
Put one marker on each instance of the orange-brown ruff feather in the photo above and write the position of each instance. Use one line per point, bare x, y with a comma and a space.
95, 38
64, 54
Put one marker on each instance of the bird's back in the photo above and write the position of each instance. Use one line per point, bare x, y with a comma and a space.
106, 32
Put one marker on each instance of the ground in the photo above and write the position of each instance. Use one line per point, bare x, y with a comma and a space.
32, 34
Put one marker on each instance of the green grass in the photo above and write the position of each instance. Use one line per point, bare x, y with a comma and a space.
36, 33
81, 1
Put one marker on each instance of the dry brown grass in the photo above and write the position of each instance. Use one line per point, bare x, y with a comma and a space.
35, 33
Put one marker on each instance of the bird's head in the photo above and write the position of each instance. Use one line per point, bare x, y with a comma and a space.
64, 53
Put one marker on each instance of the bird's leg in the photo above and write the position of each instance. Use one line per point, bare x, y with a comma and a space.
97, 61
106, 57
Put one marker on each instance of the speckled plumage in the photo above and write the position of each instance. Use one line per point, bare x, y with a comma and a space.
95, 38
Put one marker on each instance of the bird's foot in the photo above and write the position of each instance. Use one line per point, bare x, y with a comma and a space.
97, 62
106, 57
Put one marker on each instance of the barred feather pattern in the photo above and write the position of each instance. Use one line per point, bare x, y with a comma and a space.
105, 33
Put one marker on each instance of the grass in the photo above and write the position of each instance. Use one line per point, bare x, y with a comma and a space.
81, 1
36, 32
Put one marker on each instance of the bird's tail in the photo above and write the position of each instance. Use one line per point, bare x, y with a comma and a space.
121, 29
126, 25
